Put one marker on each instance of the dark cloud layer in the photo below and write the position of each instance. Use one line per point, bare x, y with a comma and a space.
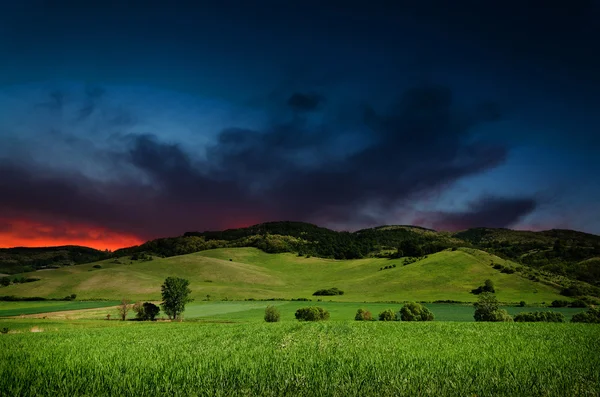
420, 144
485, 212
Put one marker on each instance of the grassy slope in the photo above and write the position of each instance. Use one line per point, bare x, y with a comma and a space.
255, 274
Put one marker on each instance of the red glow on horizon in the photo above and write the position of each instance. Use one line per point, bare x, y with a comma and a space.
23, 233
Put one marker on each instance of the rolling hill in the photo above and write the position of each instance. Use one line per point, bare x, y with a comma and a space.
249, 273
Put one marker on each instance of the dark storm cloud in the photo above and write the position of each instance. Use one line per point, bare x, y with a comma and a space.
304, 102
293, 169
488, 211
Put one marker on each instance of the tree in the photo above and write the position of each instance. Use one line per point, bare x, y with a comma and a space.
363, 315
150, 311
175, 295
415, 312
271, 314
124, 308
487, 308
591, 316
387, 315
313, 313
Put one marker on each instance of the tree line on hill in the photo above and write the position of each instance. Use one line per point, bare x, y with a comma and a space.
565, 253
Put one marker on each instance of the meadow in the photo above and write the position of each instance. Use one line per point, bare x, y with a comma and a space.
242, 273
345, 358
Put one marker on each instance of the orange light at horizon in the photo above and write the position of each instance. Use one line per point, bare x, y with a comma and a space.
23, 233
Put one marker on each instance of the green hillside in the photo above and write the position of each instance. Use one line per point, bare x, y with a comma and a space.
244, 273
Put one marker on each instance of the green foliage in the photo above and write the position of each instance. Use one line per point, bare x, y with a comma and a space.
363, 315
146, 311
328, 292
175, 294
591, 316
522, 304
487, 308
388, 315
97, 267
488, 286
535, 317
415, 312
312, 313
272, 314
5, 281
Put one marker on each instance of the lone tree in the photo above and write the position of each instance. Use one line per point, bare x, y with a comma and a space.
487, 308
175, 295
124, 308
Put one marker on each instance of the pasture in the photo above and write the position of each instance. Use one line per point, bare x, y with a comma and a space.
106, 358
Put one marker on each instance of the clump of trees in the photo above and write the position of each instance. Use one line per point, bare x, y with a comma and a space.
487, 308
175, 294
146, 311
591, 316
272, 314
413, 311
488, 286
363, 315
313, 313
387, 315
123, 308
534, 317
328, 292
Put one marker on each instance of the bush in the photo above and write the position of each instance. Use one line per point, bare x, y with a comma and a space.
313, 313
578, 303
5, 281
272, 314
387, 315
507, 270
488, 286
97, 267
591, 316
150, 311
363, 315
487, 308
559, 303
4, 330
328, 292
415, 312
535, 317
522, 304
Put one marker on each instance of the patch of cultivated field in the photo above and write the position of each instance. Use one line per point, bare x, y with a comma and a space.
253, 311
308, 359
241, 273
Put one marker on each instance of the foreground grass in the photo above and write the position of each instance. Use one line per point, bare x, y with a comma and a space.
309, 359
240, 273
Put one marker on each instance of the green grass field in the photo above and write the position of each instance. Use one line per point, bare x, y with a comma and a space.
21, 308
252, 273
291, 358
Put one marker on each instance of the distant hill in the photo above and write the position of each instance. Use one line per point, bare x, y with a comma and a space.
23, 259
549, 254
249, 273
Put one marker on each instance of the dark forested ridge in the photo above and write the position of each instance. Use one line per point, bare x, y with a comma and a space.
567, 253
24, 259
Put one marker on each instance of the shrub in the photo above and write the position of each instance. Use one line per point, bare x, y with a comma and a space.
387, 315
415, 312
328, 292
522, 303
4, 330
272, 314
487, 308
97, 267
5, 281
507, 270
363, 315
488, 286
313, 313
150, 311
591, 316
535, 317
578, 303
559, 303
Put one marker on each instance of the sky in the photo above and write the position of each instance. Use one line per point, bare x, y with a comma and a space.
122, 122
